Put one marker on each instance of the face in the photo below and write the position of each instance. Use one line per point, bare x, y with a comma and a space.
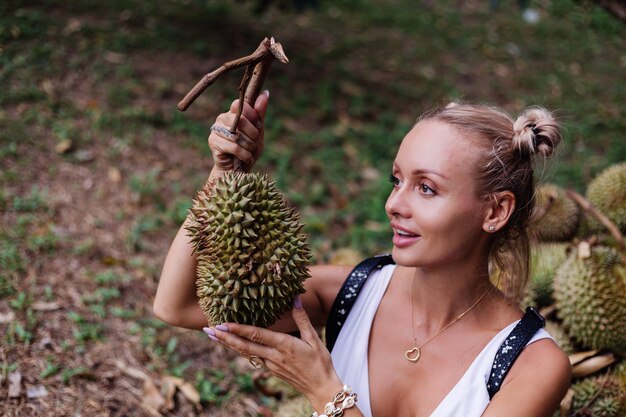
433, 208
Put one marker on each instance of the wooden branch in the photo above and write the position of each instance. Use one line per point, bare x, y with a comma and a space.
268, 49
589, 208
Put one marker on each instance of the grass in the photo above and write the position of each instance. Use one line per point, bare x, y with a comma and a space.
105, 77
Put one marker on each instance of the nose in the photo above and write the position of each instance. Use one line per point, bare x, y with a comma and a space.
397, 204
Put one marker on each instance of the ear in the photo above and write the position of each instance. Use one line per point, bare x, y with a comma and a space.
499, 210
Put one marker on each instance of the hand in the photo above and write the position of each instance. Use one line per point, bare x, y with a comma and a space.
246, 144
305, 363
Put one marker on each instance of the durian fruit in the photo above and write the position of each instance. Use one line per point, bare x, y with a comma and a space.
544, 262
558, 215
607, 192
590, 294
599, 396
252, 255
560, 336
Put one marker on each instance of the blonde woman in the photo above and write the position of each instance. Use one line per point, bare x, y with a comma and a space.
428, 334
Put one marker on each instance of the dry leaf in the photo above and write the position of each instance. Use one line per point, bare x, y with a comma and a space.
593, 364
38, 391
7, 317
114, 174
168, 389
132, 372
190, 392
566, 403
63, 146
45, 306
152, 398
577, 357
15, 384
584, 250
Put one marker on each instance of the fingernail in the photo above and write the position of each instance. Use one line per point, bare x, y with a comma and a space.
222, 327
266, 92
213, 338
297, 303
208, 331
258, 124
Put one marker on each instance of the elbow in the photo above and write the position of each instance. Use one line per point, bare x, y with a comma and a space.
164, 314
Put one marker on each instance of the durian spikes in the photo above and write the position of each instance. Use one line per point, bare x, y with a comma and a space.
252, 255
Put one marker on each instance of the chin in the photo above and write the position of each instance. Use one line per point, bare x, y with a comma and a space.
403, 257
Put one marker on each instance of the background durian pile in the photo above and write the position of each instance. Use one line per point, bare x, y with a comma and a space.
578, 282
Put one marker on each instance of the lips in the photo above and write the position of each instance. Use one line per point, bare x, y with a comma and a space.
403, 237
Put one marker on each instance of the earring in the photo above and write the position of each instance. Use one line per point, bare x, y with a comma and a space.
492, 228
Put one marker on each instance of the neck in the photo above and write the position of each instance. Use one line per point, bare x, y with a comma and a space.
440, 295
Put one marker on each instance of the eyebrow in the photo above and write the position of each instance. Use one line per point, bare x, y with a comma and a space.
427, 171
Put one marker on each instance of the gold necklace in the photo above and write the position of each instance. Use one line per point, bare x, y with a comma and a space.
414, 354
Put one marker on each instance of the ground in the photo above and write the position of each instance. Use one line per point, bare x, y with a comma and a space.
98, 167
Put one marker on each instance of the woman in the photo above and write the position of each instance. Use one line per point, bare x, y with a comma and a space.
422, 335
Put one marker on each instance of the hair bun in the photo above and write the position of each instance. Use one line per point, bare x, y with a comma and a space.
536, 131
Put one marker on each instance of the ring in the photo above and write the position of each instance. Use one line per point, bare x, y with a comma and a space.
256, 361
222, 131
243, 140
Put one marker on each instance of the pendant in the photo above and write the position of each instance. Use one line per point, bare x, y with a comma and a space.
413, 355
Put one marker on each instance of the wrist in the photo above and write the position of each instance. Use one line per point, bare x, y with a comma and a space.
333, 400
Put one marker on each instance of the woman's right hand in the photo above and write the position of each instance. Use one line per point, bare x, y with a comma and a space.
247, 144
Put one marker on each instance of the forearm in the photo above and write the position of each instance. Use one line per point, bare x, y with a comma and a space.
176, 301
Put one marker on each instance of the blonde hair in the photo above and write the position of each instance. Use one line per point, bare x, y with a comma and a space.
506, 163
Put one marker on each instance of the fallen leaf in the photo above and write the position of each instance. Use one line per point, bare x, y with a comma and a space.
38, 391
15, 384
190, 392
168, 389
45, 306
577, 357
132, 372
7, 317
63, 146
566, 403
114, 174
152, 398
593, 365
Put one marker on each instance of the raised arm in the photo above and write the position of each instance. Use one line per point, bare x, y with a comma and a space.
176, 302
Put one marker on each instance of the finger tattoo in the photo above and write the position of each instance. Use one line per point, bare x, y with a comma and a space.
223, 132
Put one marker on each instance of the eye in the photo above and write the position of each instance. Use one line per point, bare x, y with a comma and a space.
426, 189
394, 180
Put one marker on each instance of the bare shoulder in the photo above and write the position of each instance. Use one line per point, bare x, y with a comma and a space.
536, 383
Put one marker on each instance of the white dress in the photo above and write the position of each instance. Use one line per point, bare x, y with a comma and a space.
468, 398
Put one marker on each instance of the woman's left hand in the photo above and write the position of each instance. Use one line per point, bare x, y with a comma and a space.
303, 362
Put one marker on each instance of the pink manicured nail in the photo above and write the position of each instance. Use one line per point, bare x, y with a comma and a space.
266, 92
208, 331
213, 338
297, 303
222, 327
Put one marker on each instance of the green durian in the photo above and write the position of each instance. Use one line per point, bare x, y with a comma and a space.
544, 262
558, 216
599, 396
607, 192
252, 254
590, 294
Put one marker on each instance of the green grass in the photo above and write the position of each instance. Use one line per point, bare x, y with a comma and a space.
107, 76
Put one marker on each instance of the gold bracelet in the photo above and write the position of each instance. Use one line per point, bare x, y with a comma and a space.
346, 399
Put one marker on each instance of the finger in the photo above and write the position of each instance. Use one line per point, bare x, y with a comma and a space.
261, 105
307, 331
257, 334
221, 146
244, 125
248, 111
244, 346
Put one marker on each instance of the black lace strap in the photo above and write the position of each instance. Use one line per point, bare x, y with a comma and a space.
347, 295
511, 348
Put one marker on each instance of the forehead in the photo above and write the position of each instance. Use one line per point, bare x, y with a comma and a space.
438, 146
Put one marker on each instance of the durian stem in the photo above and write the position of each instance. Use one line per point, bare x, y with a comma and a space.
589, 208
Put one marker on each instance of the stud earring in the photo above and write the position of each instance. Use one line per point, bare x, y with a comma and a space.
492, 228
